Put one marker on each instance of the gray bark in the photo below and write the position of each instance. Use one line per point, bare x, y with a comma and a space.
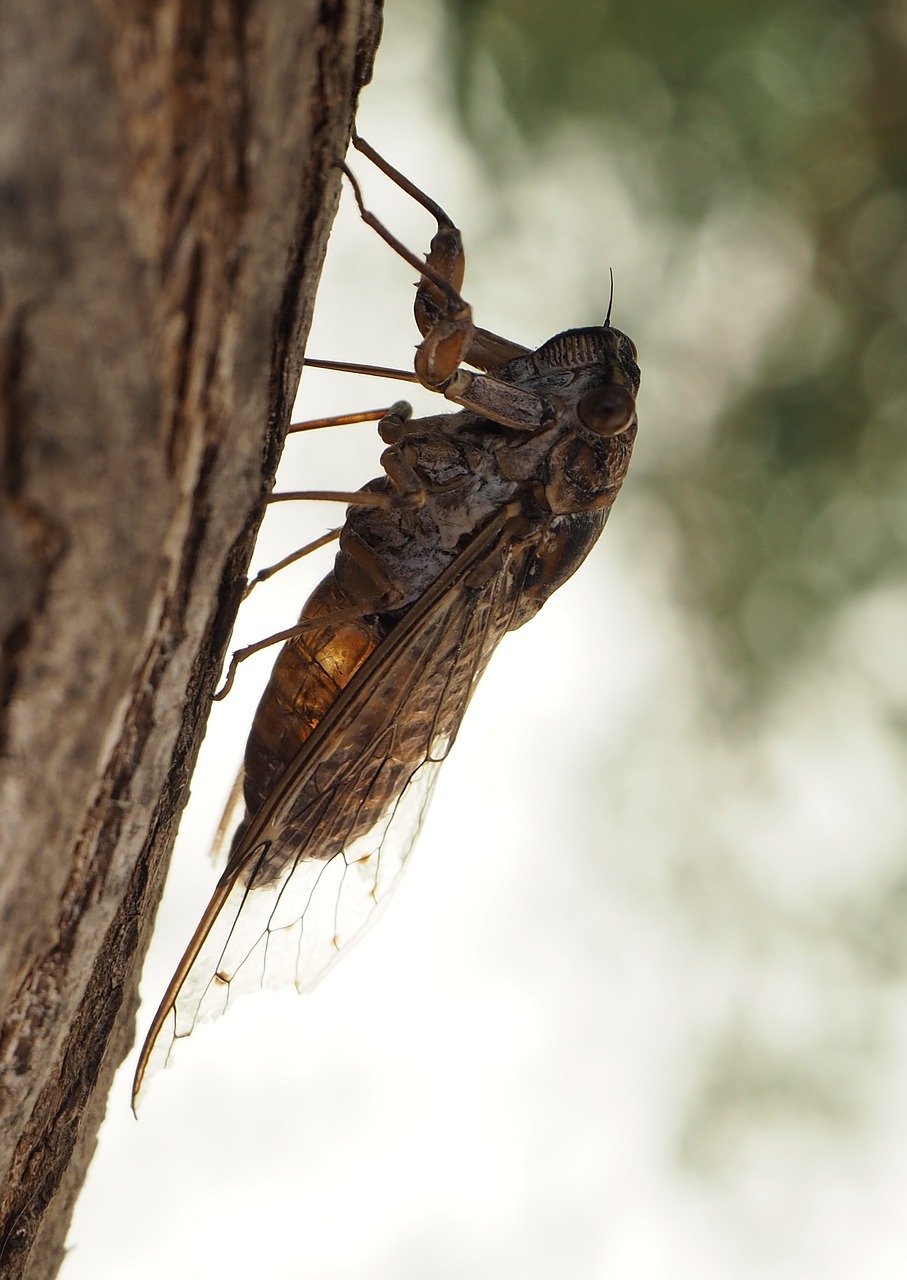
167, 182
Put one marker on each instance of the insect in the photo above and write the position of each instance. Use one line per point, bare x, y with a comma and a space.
479, 516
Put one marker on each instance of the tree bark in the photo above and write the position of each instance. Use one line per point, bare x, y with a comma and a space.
167, 182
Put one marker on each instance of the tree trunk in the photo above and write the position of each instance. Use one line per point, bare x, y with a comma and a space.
167, 183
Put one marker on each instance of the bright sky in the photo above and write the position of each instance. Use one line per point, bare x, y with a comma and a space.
558, 1052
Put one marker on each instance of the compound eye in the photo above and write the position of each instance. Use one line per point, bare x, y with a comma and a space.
607, 410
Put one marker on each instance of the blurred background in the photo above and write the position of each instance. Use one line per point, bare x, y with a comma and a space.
639, 1008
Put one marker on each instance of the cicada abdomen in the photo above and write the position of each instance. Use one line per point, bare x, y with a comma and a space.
310, 672
480, 515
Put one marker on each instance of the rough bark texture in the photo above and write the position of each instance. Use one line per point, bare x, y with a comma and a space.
167, 183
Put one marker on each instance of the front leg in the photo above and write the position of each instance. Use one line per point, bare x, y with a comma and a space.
444, 319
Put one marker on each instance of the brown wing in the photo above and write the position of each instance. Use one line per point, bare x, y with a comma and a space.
328, 846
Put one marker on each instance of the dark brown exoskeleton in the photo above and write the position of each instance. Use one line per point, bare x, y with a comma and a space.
479, 517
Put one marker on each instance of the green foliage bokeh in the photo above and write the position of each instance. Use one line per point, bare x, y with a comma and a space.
804, 103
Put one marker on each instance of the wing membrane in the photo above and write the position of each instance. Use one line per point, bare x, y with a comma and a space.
295, 928
321, 857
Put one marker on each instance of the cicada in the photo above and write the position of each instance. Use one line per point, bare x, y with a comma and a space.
478, 517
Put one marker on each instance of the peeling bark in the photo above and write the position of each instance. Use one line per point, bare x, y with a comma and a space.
167, 184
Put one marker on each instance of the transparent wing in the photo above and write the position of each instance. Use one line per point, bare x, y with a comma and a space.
323, 854
294, 929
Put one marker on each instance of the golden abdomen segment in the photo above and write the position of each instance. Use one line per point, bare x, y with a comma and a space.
309, 674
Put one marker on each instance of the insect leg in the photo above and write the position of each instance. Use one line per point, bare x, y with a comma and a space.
373, 370
353, 614
354, 498
264, 574
403, 182
486, 350
450, 335
339, 420
443, 283
405, 479
446, 257
375, 588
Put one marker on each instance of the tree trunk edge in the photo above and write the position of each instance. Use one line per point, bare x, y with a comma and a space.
85, 1010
